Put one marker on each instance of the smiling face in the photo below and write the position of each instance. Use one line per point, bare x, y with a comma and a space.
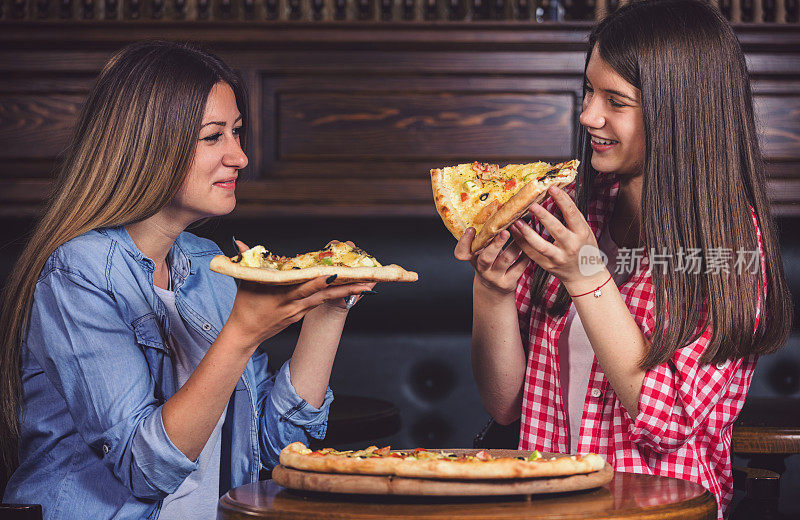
612, 114
208, 189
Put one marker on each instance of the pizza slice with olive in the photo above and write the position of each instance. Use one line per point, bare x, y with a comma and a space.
348, 262
489, 198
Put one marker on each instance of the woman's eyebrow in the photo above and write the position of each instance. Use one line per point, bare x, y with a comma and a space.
620, 94
222, 123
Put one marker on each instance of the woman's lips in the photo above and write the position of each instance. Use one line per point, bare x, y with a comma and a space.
602, 145
228, 185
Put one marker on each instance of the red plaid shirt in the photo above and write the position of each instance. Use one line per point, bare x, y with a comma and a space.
686, 409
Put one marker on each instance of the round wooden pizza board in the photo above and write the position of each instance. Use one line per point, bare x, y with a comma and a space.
392, 485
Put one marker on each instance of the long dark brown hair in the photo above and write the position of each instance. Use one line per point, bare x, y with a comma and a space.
130, 152
703, 172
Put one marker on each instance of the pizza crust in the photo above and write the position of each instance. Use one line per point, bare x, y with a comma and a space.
515, 208
387, 273
293, 456
441, 196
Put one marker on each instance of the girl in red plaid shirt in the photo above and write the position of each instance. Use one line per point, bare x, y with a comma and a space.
671, 176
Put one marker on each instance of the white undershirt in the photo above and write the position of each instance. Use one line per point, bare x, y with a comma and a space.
198, 494
576, 354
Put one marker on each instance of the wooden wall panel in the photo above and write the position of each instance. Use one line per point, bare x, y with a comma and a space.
36, 126
778, 119
348, 120
406, 131
414, 126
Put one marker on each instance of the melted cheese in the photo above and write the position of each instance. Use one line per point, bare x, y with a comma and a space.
253, 256
483, 183
337, 253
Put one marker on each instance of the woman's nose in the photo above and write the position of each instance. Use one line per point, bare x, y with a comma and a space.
235, 156
591, 115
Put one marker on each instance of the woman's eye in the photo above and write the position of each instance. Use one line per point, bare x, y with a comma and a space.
238, 131
211, 138
614, 103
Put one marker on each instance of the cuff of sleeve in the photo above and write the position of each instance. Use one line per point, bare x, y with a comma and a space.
163, 465
649, 426
297, 410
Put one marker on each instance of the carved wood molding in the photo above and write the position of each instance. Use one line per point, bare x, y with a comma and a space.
346, 119
454, 11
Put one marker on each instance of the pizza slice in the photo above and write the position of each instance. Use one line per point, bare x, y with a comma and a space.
349, 264
489, 198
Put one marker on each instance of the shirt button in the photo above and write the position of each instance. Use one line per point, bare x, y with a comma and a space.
105, 449
206, 326
596, 392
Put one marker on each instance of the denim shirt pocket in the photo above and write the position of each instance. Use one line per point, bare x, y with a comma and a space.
148, 332
157, 353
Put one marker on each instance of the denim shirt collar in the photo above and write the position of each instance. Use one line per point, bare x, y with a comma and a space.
179, 260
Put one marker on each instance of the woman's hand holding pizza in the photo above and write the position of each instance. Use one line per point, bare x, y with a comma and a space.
341, 303
260, 311
560, 257
496, 269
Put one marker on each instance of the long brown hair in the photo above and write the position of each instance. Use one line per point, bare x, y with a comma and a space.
130, 152
703, 172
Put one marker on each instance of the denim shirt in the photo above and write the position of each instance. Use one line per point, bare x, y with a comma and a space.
96, 371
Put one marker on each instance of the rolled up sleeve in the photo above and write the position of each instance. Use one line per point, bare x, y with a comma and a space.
148, 464
91, 356
678, 396
286, 417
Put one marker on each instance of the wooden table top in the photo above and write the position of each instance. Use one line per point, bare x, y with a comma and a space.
767, 425
628, 495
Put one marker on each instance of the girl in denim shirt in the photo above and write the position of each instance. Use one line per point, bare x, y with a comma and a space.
132, 386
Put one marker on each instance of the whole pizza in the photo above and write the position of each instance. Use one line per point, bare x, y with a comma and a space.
490, 198
423, 463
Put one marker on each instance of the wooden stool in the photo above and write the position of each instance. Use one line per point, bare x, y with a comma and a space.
767, 431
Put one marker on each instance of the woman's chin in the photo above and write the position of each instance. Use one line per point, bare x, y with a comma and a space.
225, 205
601, 164
225, 210
217, 210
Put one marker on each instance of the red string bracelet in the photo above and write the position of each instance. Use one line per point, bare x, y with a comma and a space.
597, 292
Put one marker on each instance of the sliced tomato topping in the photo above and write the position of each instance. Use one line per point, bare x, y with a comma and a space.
464, 197
382, 451
510, 184
317, 454
396, 455
417, 450
326, 254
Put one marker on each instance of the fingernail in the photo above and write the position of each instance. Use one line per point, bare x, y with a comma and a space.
330, 279
369, 291
235, 245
